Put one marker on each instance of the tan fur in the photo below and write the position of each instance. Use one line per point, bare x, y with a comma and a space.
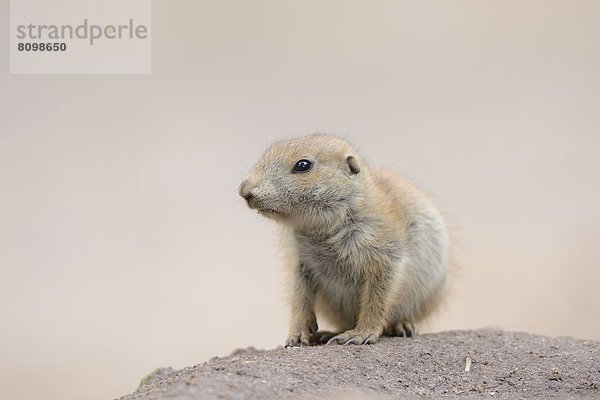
370, 250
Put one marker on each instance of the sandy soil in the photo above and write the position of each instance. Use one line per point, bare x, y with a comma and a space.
461, 364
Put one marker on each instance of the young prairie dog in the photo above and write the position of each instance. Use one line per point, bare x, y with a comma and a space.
370, 250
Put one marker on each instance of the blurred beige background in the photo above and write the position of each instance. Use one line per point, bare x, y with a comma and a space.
124, 245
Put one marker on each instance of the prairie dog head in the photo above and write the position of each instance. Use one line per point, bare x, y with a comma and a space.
308, 182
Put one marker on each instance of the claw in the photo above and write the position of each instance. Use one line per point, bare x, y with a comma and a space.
352, 337
333, 340
369, 340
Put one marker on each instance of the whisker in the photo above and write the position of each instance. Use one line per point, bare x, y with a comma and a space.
280, 240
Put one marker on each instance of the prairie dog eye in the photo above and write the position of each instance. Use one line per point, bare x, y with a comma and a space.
302, 166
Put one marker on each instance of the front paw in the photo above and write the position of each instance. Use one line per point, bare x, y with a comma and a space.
355, 337
301, 332
298, 338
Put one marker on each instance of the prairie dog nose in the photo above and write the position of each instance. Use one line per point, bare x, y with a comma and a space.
246, 190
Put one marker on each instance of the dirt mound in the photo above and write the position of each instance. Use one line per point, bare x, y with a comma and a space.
449, 364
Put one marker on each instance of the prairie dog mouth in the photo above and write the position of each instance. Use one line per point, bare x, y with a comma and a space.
272, 213
268, 211
262, 208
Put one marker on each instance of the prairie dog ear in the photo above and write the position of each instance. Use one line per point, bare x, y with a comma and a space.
353, 164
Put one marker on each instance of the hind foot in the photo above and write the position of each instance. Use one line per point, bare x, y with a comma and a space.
321, 337
404, 329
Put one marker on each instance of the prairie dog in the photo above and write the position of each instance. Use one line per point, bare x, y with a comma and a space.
370, 250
